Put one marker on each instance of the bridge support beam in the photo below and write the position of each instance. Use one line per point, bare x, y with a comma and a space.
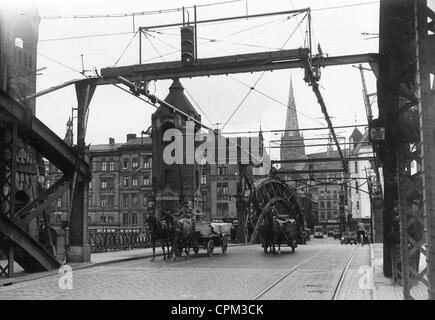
79, 249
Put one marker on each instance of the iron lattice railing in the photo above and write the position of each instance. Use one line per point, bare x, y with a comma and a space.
104, 239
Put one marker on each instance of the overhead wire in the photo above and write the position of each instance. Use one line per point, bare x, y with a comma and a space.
128, 45
135, 14
253, 86
277, 101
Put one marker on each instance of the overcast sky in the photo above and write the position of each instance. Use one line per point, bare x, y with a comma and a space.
115, 113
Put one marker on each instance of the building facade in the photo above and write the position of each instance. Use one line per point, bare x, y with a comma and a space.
120, 192
19, 28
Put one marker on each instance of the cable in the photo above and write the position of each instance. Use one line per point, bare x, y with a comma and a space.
346, 6
300, 30
141, 13
196, 103
154, 47
128, 45
273, 99
253, 87
62, 64
87, 36
243, 100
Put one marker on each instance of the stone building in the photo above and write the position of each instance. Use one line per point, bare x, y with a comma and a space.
19, 25
120, 190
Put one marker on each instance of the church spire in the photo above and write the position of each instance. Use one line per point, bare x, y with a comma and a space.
69, 136
291, 121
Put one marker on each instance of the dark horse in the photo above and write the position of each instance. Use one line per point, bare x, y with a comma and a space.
182, 235
159, 232
272, 233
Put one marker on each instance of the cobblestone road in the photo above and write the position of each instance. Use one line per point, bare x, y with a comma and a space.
243, 273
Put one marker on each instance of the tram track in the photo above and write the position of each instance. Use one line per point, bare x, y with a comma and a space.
269, 288
343, 275
337, 288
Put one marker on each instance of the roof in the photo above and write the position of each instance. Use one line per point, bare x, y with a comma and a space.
115, 146
178, 99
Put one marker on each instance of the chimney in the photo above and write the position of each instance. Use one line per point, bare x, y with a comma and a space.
131, 136
111, 141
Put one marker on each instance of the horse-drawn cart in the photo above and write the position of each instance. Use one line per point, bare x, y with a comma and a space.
208, 235
283, 230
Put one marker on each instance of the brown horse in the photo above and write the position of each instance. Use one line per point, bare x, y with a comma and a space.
159, 232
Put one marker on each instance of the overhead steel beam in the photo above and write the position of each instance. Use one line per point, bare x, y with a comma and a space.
40, 137
254, 62
259, 15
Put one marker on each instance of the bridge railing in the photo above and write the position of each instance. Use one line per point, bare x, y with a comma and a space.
118, 238
104, 239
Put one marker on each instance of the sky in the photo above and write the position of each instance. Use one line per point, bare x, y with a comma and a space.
114, 113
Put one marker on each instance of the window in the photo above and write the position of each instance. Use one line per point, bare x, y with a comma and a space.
125, 163
111, 165
110, 219
334, 194
146, 180
145, 201
334, 204
104, 184
335, 215
357, 205
222, 209
125, 200
146, 163
203, 179
125, 182
134, 181
322, 215
134, 218
222, 169
58, 219
222, 190
134, 200
89, 200
125, 218
134, 163
328, 215
356, 187
328, 204
110, 200
322, 204
59, 202
19, 43
356, 166
90, 185
110, 183
103, 219
104, 202
103, 166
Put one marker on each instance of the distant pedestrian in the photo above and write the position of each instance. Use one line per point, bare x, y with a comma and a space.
361, 233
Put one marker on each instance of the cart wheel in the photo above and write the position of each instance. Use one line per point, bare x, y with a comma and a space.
196, 250
210, 247
224, 245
